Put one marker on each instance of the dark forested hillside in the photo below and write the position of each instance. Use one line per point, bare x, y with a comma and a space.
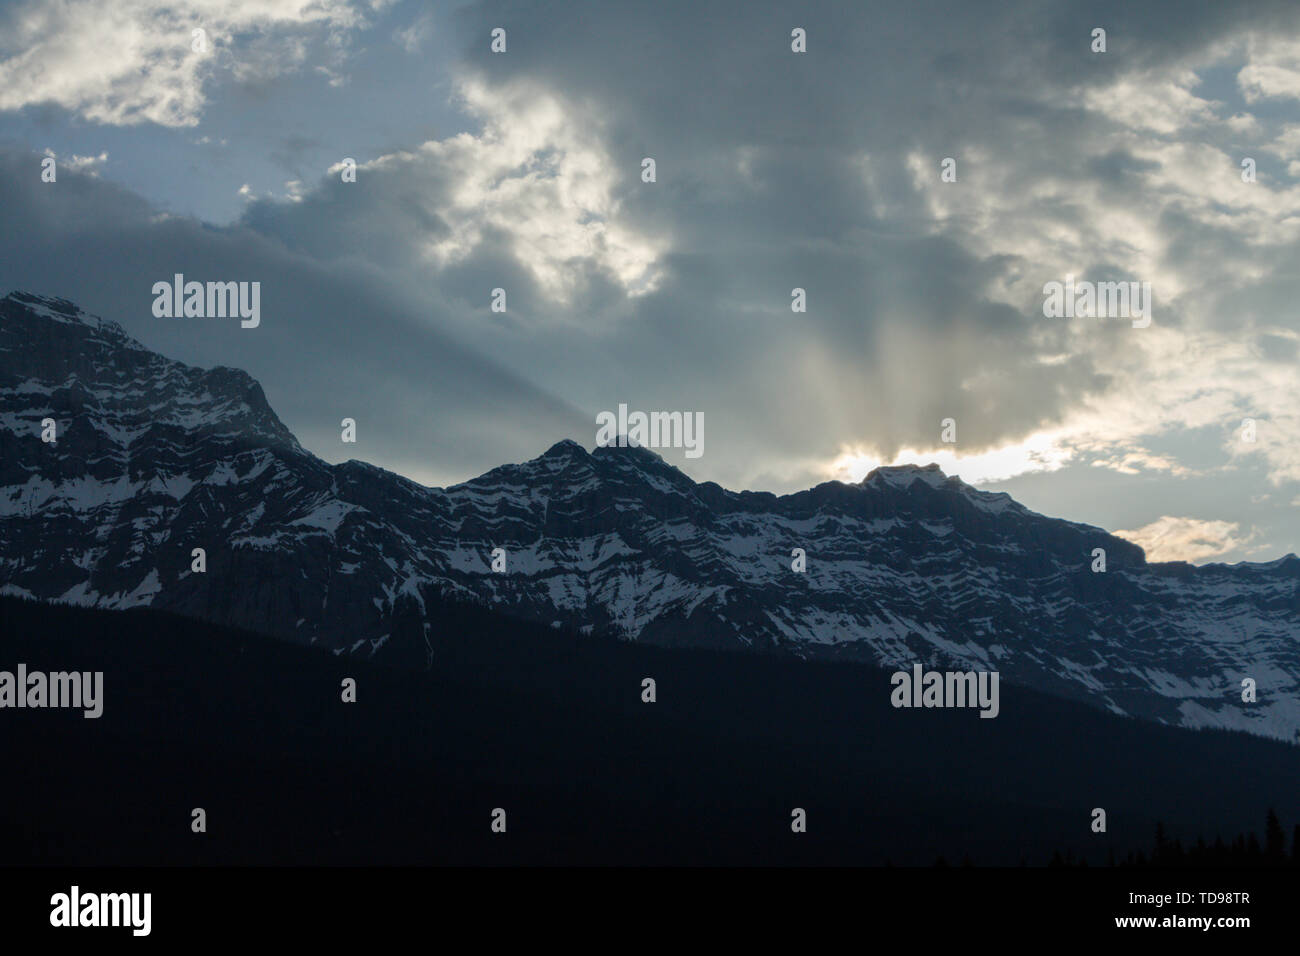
550, 726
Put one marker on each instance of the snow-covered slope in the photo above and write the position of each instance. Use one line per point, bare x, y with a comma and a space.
155, 459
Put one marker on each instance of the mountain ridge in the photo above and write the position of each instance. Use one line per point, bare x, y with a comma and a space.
155, 458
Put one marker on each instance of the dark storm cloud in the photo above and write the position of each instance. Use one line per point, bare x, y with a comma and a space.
692, 85
824, 201
333, 341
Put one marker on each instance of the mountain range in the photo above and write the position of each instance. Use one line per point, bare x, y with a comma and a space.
152, 459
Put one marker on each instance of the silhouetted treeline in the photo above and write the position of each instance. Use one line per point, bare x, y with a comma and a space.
1245, 850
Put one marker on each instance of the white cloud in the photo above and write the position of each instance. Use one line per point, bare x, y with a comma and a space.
1179, 164
416, 35
539, 174
124, 62
78, 163
1273, 70
1158, 102
1186, 539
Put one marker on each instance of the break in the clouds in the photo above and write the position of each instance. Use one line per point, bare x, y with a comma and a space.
1185, 539
775, 170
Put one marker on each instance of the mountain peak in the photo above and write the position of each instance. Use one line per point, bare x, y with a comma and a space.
900, 476
62, 311
565, 448
47, 342
636, 452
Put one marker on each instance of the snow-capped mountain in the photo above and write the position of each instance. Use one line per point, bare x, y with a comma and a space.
153, 459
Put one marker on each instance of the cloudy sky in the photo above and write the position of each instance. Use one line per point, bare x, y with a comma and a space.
820, 170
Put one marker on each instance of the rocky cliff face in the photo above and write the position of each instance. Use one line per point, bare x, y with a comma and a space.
154, 459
